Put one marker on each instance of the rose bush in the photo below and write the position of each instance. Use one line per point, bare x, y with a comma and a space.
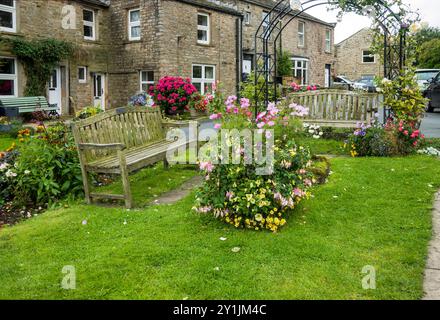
173, 94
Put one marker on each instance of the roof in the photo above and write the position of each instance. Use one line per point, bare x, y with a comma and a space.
269, 4
215, 5
353, 35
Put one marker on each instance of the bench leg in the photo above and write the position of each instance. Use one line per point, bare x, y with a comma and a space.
125, 182
166, 164
86, 184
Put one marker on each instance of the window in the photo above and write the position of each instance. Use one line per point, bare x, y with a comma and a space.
146, 80
8, 16
82, 74
203, 77
203, 32
89, 24
328, 40
266, 21
301, 34
301, 70
368, 57
8, 77
134, 25
247, 18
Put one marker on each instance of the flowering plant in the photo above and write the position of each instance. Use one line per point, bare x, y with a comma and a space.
313, 130
297, 88
141, 100
235, 193
408, 138
173, 94
87, 112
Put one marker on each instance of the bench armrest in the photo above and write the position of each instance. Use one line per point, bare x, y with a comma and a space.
91, 146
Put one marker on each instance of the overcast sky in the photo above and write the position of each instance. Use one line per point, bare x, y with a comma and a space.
429, 11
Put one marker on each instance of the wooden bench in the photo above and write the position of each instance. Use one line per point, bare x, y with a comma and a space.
338, 108
26, 105
122, 141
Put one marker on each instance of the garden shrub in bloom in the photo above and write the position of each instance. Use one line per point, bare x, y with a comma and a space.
141, 100
297, 88
87, 112
235, 193
368, 140
173, 94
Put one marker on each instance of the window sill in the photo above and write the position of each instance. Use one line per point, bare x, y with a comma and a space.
207, 45
11, 33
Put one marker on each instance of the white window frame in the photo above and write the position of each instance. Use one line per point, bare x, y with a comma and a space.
265, 18
371, 54
328, 41
142, 82
301, 34
13, 11
132, 24
305, 70
90, 24
203, 81
13, 77
247, 17
207, 28
85, 75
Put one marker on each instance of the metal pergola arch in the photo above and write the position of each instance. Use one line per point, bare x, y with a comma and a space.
390, 23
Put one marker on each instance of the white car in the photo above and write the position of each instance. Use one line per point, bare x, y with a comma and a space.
424, 76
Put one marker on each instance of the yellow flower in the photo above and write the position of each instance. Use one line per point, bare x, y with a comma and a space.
277, 221
275, 209
258, 217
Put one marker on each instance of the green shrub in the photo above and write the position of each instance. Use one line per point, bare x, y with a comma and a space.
87, 112
371, 141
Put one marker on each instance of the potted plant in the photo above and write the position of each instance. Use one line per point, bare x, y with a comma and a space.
285, 67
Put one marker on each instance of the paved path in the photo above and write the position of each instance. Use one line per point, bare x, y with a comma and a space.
181, 192
431, 125
431, 285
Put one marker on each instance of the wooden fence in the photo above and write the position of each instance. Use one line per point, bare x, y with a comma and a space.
338, 108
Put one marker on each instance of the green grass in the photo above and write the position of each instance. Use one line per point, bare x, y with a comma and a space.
323, 146
5, 142
372, 212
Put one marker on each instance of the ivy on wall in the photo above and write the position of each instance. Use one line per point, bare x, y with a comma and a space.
39, 57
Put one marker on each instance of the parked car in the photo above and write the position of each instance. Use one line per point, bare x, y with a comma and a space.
341, 81
424, 76
365, 84
433, 93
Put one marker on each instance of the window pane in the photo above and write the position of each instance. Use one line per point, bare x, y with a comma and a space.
88, 15
136, 32
81, 73
135, 16
150, 76
7, 88
197, 72
202, 35
6, 19
209, 73
88, 31
7, 66
9, 3
208, 88
198, 86
202, 20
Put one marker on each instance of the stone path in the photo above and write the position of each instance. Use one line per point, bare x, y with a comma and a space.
431, 285
184, 190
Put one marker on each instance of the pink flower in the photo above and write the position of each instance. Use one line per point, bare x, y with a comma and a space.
206, 166
217, 126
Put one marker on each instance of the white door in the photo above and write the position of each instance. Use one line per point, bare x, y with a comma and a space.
55, 89
99, 90
327, 76
247, 66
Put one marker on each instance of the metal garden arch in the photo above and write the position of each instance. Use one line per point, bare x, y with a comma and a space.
267, 39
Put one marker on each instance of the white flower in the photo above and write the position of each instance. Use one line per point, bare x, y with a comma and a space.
4, 166
27, 172
10, 174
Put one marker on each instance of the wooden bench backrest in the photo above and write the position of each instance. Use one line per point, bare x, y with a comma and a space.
134, 127
338, 104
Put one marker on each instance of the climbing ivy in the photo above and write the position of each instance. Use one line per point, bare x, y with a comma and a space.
39, 58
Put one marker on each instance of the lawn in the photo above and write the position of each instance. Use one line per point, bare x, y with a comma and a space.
5, 142
372, 212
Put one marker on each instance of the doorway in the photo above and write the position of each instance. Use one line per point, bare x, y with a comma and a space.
328, 69
99, 90
55, 94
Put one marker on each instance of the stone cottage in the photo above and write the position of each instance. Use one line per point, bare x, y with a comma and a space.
355, 59
125, 46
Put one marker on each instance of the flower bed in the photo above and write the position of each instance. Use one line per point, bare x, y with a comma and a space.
236, 193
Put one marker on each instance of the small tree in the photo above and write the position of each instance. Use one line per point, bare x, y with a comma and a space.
430, 54
285, 66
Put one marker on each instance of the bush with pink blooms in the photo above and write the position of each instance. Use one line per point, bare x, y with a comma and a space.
173, 94
234, 191
294, 87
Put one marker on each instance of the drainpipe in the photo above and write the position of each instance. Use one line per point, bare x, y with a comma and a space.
239, 51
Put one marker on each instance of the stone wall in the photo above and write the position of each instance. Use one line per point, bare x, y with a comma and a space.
349, 57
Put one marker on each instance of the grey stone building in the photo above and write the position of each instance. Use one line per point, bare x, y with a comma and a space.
125, 46
354, 57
